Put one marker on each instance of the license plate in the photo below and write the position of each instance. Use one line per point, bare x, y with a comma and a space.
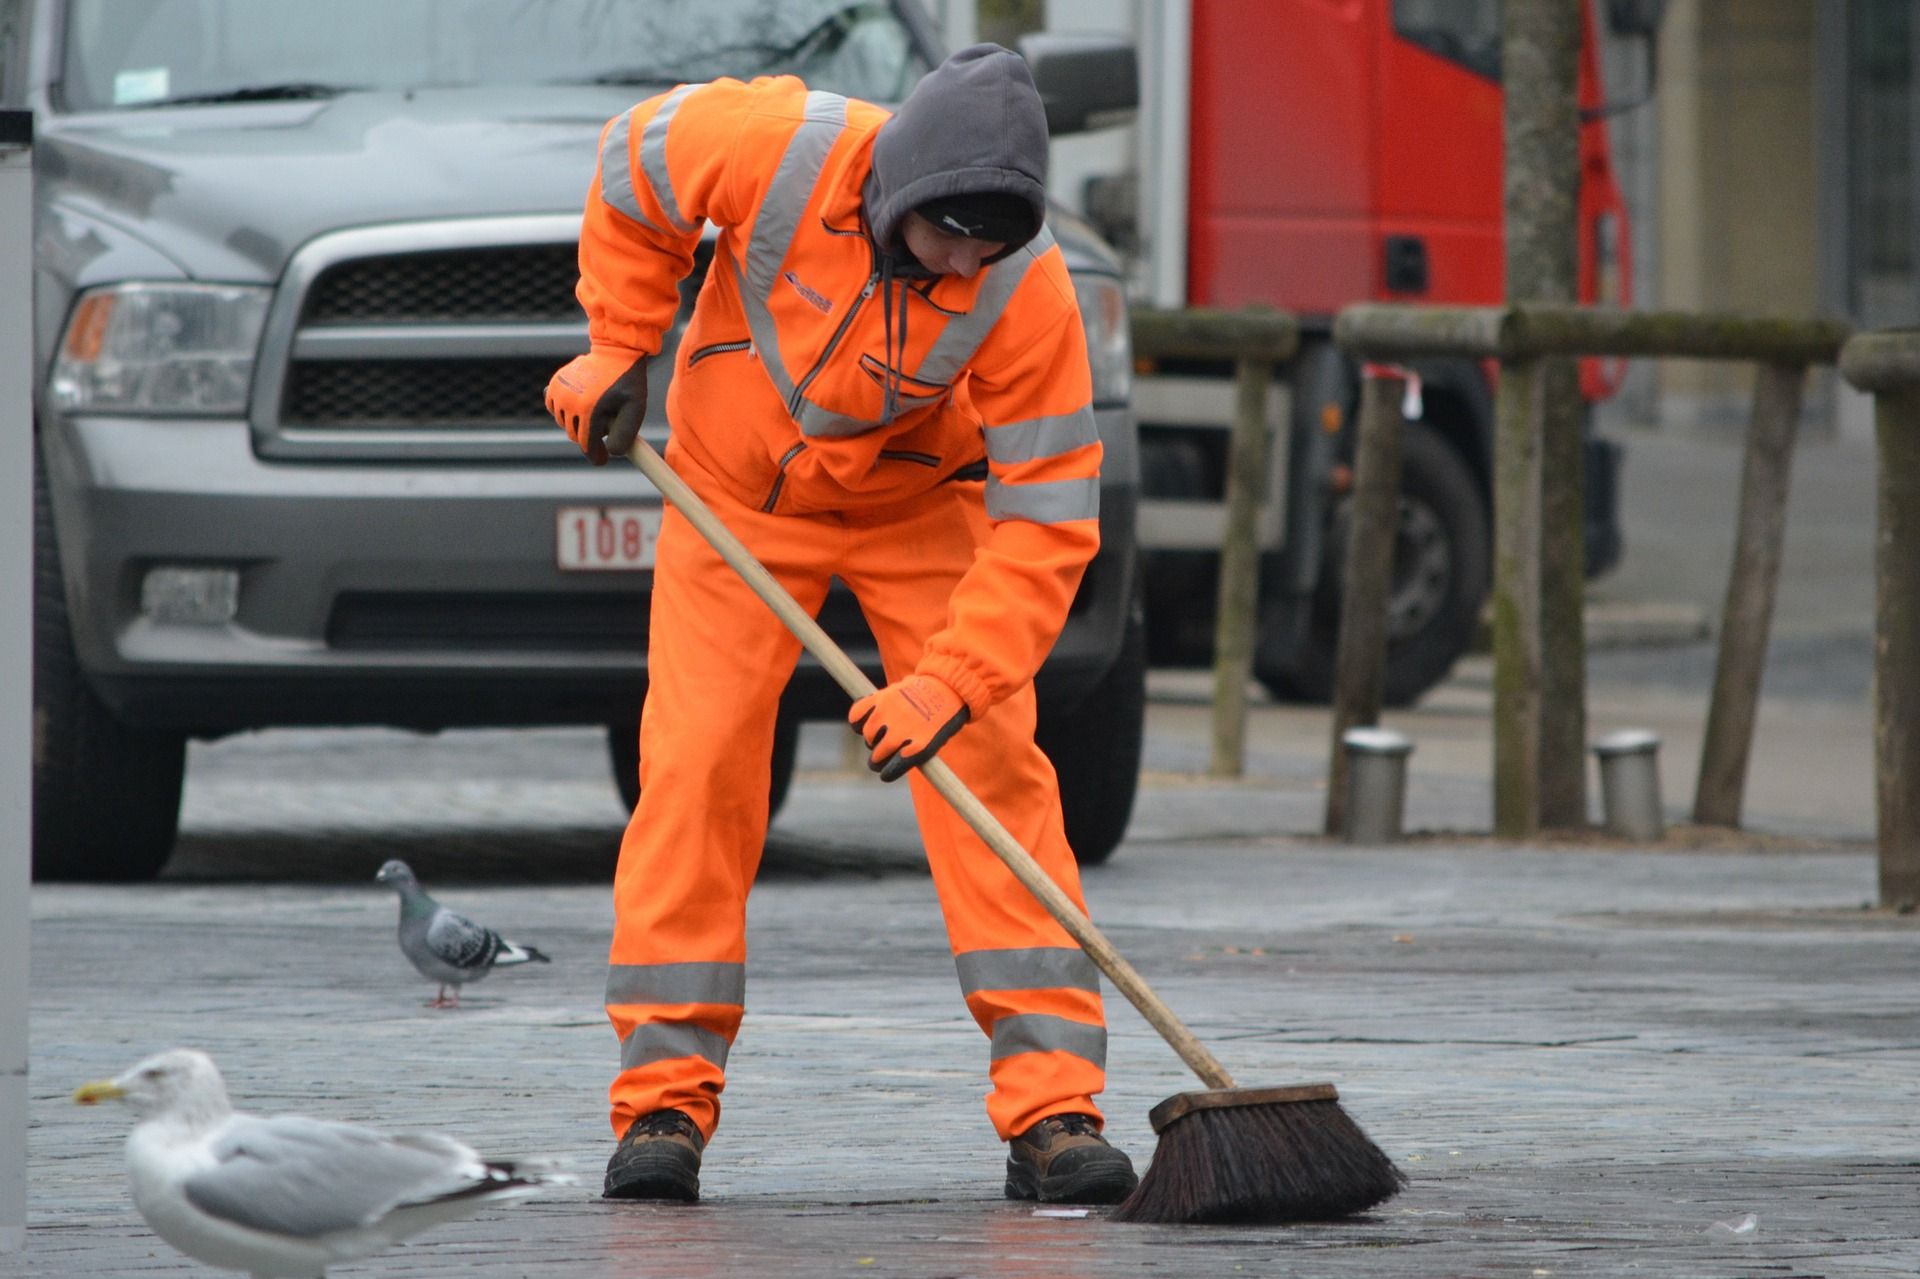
591, 539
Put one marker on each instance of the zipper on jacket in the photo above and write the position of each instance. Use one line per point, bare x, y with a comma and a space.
718, 348
780, 477
800, 390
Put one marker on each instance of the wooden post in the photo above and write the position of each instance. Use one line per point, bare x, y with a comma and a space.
1540, 58
1563, 598
1360, 671
1896, 645
1888, 364
1239, 595
1516, 600
1748, 613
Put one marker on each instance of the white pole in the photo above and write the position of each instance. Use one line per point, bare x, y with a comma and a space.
1166, 53
16, 657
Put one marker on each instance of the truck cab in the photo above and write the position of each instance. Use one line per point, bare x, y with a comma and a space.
1333, 154
301, 274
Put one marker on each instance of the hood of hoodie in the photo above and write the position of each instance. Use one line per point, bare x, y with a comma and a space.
974, 124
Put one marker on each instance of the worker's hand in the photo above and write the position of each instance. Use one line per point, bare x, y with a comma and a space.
598, 399
906, 722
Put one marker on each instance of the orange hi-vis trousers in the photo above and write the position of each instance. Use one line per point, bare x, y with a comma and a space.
718, 659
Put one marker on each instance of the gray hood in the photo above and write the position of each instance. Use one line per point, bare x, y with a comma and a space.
973, 125
229, 192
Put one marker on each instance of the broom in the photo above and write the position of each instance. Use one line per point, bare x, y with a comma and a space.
1225, 1154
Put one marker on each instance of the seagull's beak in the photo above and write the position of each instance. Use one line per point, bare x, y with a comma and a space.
98, 1091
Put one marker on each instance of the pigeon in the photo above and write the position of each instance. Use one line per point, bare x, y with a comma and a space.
286, 1195
447, 947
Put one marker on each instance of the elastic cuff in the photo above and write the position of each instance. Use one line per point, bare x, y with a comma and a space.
627, 353
953, 673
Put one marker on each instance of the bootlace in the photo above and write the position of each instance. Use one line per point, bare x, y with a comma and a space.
664, 1123
1074, 1125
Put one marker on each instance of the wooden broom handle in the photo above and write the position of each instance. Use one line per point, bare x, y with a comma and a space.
936, 770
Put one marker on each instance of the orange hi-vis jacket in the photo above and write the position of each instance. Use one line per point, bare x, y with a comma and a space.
812, 378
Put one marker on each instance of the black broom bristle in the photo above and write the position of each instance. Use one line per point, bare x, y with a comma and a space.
1273, 1163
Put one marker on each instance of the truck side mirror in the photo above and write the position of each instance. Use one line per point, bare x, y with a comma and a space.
1086, 81
1638, 20
1635, 17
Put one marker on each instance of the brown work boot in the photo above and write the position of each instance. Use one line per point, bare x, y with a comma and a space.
1064, 1159
658, 1158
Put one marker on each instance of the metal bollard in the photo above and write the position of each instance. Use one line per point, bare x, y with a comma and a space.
1376, 783
1630, 783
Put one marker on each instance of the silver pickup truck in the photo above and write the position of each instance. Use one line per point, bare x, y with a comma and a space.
301, 274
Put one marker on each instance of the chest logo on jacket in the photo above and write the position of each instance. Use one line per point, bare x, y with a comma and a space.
814, 299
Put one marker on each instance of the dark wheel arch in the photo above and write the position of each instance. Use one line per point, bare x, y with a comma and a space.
1096, 746
1442, 566
106, 797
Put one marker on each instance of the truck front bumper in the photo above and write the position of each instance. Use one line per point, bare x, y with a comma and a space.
418, 595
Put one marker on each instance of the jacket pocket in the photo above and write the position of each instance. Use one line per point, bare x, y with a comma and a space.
780, 476
912, 389
717, 348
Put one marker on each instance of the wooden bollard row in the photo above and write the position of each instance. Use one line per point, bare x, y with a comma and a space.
1521, 337
1259, 341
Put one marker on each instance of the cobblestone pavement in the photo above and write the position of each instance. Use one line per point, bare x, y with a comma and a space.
1584, 1054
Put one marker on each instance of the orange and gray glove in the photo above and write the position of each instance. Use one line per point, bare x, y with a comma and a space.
598, 399
906, 722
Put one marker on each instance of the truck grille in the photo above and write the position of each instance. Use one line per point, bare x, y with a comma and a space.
412, 393
495, 285
425, 340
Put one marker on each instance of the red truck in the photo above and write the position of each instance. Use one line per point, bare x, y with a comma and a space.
1336, 151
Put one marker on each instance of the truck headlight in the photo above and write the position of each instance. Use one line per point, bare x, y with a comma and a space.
1103, 310
161, 349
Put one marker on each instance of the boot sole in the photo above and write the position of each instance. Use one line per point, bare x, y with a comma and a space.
1098, 1185
642, 1173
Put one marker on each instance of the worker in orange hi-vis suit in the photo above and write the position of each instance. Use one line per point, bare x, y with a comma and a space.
885, 379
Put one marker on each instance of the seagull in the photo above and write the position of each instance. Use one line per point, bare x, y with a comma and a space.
285, 1195
447, 947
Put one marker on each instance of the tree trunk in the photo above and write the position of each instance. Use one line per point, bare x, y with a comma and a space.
1540, 56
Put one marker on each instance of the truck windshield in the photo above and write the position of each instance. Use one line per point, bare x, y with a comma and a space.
1463, 31
126, 54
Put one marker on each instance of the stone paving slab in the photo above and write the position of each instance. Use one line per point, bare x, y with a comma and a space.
1583, 1054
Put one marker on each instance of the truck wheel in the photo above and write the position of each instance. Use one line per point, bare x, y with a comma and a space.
1441, 560
106, 797
1095, 748
623, 752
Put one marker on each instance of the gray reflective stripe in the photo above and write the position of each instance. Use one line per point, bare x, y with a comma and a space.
766, 336
963, 335
1030, 968
676, 983
779, 219
1041, 437
653, 1041
1043, 1033
1054, 502
816, 421
653, 157
616, 172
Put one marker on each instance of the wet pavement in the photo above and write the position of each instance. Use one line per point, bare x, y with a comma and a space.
1583, 1052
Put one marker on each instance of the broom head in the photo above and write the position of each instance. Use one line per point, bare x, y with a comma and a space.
1259, 1155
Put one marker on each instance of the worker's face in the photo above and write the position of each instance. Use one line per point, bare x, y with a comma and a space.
943, 252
